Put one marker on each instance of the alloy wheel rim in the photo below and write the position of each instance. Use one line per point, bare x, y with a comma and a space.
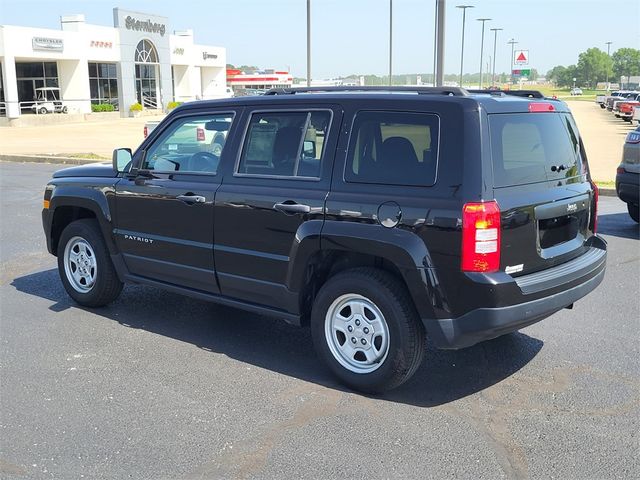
357, 333
80, 264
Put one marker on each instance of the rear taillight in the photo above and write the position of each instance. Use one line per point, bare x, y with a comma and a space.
596, 194
146, 131
200, 134
620, 170
481, 237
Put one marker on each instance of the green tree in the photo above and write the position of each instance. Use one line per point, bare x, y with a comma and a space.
592, 66
626, 61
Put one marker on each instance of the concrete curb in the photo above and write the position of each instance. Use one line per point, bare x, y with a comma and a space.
4, 157
604, 191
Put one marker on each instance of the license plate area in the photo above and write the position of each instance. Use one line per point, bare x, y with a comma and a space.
562, 226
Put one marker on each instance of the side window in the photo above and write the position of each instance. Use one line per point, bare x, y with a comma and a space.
285, 144
397, 148
192, 144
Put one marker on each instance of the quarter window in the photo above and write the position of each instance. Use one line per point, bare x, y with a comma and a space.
393, 148
192, 145
285, 144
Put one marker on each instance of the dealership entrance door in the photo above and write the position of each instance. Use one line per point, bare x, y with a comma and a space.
147, 76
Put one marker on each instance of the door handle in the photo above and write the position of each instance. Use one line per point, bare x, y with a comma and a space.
290, 207
191, 198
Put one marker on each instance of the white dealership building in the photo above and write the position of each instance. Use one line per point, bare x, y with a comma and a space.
137, 60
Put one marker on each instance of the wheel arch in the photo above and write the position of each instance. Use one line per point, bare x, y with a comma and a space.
329, 249
67, 207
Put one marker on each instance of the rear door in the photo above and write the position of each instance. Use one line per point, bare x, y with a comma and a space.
272, 197
542, 186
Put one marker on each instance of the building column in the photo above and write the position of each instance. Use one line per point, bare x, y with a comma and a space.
73, 78
10, 83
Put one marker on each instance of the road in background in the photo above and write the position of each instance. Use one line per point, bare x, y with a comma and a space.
603, 136
162, 386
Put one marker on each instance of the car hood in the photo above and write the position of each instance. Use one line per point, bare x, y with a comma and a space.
88, 170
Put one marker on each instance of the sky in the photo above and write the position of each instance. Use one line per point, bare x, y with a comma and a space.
352, 36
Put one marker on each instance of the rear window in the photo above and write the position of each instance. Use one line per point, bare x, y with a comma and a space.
393, 148
532, 147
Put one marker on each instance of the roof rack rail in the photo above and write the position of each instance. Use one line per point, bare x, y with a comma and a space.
513, 93
452, 91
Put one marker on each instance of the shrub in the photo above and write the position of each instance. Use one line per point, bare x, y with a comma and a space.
173, 105
136, 107
102, 107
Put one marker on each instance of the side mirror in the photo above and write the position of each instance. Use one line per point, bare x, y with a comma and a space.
309, 149
121, 159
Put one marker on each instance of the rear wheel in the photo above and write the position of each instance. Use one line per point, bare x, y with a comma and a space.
42, 110
634, 212
65, 110
365, 328
84, 265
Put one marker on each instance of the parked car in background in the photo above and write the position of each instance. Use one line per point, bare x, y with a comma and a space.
602, 99
628, 174
612, 101
616, 104
636, 115
48, 100
576, 91
625, 109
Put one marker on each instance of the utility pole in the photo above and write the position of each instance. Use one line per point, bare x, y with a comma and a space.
608, 55
464, 18
495, 41
511, 42
435, 41
390, 40
441, 7
482, 46
308, 43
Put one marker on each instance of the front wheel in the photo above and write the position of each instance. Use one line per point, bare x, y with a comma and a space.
42, 111
84, 265
365, 328
634, 212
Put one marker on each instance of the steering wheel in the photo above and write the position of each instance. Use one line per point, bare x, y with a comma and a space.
204, 162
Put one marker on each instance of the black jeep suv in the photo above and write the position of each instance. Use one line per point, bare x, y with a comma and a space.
377, 217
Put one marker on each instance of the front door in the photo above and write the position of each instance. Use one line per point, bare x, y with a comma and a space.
165, 213
273, 197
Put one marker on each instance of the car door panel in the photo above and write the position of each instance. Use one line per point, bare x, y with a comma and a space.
258, 220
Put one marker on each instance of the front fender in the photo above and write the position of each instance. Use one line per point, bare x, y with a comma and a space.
96, 197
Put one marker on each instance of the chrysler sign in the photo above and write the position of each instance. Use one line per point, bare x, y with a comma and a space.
148, 26
47, 44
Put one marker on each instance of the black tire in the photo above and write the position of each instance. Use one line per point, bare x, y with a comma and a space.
406, 336
42, 111
634, 212
65, 110
107, 286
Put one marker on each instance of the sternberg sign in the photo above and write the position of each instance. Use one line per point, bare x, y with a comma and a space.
132, 23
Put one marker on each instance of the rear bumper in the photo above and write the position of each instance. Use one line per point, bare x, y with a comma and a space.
628, 187
565, 284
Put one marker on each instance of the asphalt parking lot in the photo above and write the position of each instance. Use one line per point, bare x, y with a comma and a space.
161, 386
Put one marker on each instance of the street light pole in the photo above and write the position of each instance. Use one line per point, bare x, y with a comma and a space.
308, 43
608, 55
511, 42
495, 41
390, 38
464, 18
440, 16
482, 46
